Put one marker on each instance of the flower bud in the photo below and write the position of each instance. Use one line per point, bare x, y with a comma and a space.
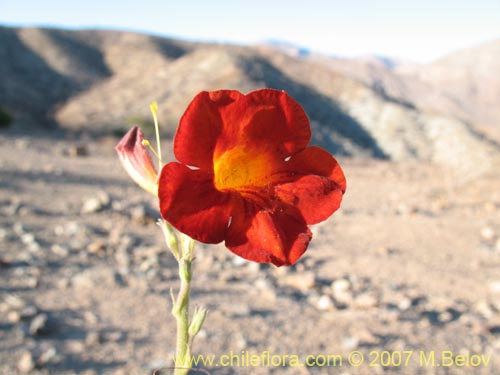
137, 161
199, 315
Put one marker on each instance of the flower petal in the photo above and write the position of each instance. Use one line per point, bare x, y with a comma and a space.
280, 236
189, 201
215, 122
316, 184
137, 161
200, 127
275, 122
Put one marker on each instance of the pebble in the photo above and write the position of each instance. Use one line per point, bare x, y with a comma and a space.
342, 293
13, 316
253, 268
14, 301
325, 303
113, 336
59, 250
239, 261
350, 343
47, 355
97, 203
4, 234
497, 245
484, 309
366, 338
19, 229
77, 151
26, 363
38, 325
404, 303
303, 281
93, 338
122, 259
96, 247
487, 233
495, 287
141, 215
28, 312
365, 301
445, 317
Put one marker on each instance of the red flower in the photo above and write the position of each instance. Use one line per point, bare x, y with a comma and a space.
247, 177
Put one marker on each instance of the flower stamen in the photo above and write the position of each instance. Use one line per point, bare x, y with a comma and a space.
154, 110
147, 144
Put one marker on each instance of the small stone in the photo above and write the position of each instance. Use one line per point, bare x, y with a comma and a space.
27, 238
82, 280
38, 325
303, 281
253, 268
382, 250
487, 233
404, 303
497, 245
95, 204
59, 250
14, 301
19, 229
28, 312
77, 151
139, 214
3, 234
122, 258
365, 301
239, 261
31, 282
96, 247
48, 355
239, 341
90, 318
350, 343
75, 346
13, 316
495, 287
93, 338
26, 363
342, 294
366, 338
445, 317
484, 309
114, 336
325, 303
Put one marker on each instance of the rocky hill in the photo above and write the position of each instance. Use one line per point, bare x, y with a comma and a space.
99, 81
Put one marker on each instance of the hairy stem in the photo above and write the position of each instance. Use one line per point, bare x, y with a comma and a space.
180, 311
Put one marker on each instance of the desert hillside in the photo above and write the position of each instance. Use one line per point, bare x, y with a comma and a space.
99, 81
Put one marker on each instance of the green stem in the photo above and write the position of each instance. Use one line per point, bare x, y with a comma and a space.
180, 311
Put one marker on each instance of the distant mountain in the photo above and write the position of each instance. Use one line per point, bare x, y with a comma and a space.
470, 77
100, 80
286, 47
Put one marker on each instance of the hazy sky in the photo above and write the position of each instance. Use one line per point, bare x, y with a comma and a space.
419, 30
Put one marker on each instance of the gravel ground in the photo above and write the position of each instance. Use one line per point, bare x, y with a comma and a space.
409, 266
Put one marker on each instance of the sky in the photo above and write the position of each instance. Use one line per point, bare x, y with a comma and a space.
417, 30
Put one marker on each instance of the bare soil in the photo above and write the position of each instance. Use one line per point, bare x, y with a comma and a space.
410, 262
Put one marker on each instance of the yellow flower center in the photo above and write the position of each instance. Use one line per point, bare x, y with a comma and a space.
239, 168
